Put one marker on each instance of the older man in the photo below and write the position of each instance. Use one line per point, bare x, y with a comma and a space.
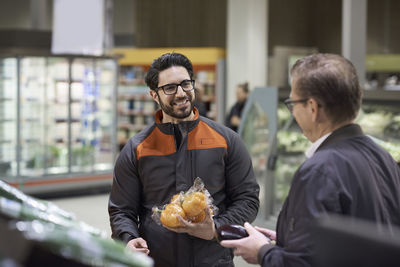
346, 173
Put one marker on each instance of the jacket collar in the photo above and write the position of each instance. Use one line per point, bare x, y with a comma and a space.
347, 131
186, 126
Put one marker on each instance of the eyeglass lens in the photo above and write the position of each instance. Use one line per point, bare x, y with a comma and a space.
170, 89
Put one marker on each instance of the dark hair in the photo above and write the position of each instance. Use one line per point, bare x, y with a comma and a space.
164, 62
244, 86
332, 80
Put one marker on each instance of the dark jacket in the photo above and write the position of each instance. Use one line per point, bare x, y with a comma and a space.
236, 110
152, 168
348, 175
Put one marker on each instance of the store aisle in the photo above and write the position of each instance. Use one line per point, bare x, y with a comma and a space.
92, 209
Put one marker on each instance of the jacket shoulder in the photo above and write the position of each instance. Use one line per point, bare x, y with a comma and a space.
212, 133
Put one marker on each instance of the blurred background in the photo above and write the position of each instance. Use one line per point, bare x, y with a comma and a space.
72, 90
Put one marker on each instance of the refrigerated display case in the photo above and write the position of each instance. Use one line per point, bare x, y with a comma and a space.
258, 130
278, 152
379, 118
58, 121
8, 116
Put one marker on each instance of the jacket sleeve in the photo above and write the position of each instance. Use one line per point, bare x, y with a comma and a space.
313, 194
242, 189
124, 202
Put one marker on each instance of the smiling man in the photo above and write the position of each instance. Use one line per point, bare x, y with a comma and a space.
164, 159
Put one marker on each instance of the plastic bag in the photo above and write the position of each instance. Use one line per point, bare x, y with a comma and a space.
190, 205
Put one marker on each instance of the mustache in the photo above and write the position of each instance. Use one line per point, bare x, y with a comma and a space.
187, 97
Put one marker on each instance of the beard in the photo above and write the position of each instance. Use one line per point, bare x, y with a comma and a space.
174, 112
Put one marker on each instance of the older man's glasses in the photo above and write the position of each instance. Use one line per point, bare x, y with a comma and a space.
172, 88
290, 103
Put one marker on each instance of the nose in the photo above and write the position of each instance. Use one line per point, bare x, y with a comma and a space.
179, 91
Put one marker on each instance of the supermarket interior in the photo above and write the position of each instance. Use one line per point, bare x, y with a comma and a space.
72, 94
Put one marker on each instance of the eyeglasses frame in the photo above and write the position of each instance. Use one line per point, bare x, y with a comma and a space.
176, 84
290, 103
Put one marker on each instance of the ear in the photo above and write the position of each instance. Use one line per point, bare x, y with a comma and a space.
153, 95
315, 109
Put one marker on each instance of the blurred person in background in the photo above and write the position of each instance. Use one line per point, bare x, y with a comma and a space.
198, 100
345, 173
233, 118
164, 159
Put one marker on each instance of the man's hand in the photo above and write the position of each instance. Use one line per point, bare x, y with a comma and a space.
139, 245
203, 230
267, 232
248, 247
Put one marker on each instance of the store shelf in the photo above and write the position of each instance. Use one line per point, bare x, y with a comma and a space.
135, 113
383, 72
131, 127
381, 95
67, 120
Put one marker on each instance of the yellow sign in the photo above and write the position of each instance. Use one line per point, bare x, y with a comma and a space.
145, 56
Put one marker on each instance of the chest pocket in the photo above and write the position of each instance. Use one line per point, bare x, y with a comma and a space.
209, 165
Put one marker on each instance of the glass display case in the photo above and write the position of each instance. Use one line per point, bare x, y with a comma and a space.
278, 152
290, 154
258, 129
8, 116
58, 121
379, 118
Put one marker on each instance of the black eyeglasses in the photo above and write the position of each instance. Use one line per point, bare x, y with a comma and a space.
290, 103
172, 88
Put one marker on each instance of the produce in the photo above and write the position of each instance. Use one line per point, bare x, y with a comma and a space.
80, 246
12, 193
374, 123
56, 230
194, 203
392, 148
290, 142
230, 231
283, 116
22, 211
169, 216
392, 130
198, 218
177, 198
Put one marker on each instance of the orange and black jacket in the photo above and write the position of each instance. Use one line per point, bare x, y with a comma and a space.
153, 166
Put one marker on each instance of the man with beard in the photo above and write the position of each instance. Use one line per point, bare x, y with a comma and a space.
164, 159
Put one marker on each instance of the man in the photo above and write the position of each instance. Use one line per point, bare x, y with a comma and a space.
346, 173
233, 118
164, 159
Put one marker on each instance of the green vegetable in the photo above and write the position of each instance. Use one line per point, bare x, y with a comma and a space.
79, 245
59, 232
9, 192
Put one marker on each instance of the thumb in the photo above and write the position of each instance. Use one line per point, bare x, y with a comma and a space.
142, 243
249, 228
